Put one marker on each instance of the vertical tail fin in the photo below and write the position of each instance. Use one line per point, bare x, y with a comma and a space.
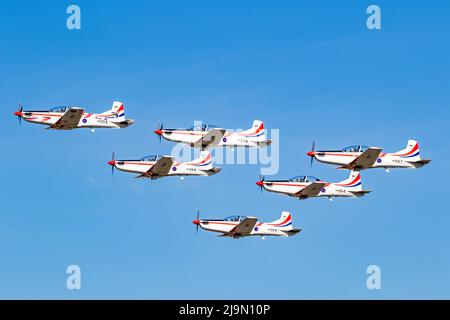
204, 162
285, 221
353, 182
411, 153
117, 112
256, 132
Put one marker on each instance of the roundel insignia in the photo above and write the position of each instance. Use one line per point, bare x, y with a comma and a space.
322, 190
84, 120
379, 160
256, 229
174, 169
224, 139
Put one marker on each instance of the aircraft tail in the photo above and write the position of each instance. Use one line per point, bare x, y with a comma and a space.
256, 132
204, 162
284, 223
411, 153
116, 113
353, 182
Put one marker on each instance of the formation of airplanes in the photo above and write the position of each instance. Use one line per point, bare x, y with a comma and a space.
205, 137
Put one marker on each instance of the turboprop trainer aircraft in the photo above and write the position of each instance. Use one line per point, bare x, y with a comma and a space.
68, 118
304, 187
363, 157
206, 136
156, 166
240, 226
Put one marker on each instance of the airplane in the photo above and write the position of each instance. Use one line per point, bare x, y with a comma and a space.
68, 118
241, 226
364, 157
157, 166
304, 187
206, 136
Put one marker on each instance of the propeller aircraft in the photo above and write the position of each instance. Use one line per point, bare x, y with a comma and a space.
304, 187
157, 166
68, 118
364, 157
241, 226
208, 136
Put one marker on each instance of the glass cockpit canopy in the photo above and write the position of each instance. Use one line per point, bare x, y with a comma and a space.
355, 149
202, 127
304, 179
235, 218
154, 157
59, 109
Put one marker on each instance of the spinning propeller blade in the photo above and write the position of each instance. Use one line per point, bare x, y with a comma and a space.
197, 221
313, 148
19, 113
113, 163
158, 131
260, 182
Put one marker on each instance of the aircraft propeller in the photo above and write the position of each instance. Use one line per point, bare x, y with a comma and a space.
311, 153
159, 129
113, 163
197, 221
260, 182
18, 113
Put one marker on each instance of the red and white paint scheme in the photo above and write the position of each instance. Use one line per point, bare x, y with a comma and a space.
206, 136
157, 166
68, 118
241, 226
364, 157
304, 187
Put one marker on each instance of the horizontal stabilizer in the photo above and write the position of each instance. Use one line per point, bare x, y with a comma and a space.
361, 193
264, 143
420, 163
293, 231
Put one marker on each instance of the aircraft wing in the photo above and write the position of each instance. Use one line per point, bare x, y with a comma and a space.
367, 158
161, 167
245, 227
69, 120
211, 139
312, 190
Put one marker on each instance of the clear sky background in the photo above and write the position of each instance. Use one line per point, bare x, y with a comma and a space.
310, 68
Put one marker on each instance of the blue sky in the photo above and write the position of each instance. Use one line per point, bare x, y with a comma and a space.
310, 68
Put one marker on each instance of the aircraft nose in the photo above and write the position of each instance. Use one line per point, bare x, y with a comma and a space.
112, 163
260, 183
197, 222
18, 113
311, 153
158, 132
